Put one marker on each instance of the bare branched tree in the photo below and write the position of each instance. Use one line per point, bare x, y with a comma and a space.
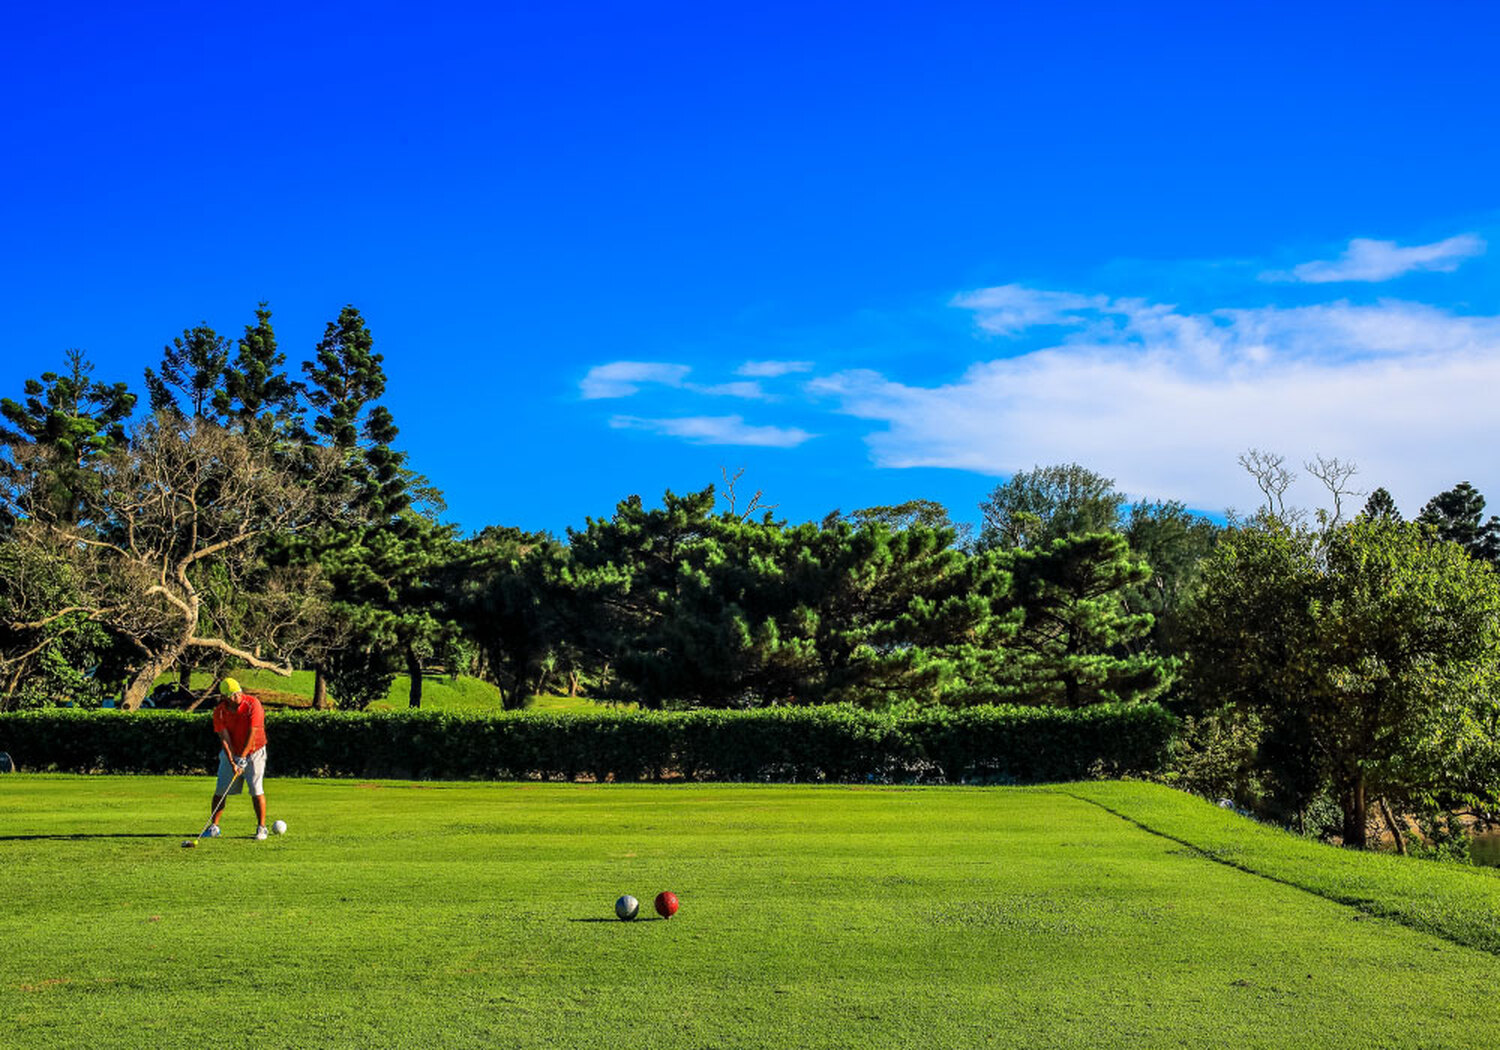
729, 496
1335, 474
169, 554
1271, 476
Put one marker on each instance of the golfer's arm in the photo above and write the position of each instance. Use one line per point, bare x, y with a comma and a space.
224, 743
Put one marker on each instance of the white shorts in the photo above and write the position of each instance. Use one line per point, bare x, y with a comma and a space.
255, 774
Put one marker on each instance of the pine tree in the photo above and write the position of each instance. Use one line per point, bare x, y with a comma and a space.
1457, 516
258, 398
77, 420
383, 559
1073, 645
192, 369
1381, 506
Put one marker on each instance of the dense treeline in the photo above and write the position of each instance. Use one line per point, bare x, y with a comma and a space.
250, 514
256, 516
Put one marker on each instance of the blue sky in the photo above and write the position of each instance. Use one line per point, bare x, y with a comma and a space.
867, 252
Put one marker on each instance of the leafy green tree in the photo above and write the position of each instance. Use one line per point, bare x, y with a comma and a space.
73, 420
192, 369
1458, 517
162, 548
1371, 653
1173, 541
1381, 506
515, 600
1075, 633
1040, 505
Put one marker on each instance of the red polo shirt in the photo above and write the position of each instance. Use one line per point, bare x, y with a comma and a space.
245, 721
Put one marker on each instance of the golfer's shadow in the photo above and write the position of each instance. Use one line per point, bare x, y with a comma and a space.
643, 918
82, 838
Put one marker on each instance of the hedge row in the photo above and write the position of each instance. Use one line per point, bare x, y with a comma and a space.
972, 745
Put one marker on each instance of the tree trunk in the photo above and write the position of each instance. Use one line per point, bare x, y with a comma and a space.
139, 686
1385, 811
185, 676
572, 683
1356, 813
414, 672
320, 690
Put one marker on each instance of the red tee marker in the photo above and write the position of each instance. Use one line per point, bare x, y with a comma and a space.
666, 904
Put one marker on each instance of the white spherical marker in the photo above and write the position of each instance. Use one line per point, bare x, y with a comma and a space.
279, 827
627, 907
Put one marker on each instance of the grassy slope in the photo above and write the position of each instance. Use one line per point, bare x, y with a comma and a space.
478, 914
438, 694
1458, 902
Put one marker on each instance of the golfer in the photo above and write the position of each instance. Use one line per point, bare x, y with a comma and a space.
241, 726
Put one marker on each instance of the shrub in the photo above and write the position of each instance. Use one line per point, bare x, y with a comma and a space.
973, 745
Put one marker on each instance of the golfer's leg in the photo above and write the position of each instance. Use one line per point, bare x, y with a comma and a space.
255, 776
226, 774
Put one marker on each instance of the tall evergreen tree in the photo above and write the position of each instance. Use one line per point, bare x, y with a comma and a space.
1381, 506
76, 420
192, 369
258, 398
383, 559
1458, 517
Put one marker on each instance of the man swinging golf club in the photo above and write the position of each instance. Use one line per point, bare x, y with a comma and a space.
241, 725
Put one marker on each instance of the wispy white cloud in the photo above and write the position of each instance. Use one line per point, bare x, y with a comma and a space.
717, 430
772, 369
1369, 260
1164, 400
623, 378
1011, 308
748, 390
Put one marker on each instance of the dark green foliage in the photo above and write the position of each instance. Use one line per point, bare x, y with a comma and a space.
1381, 506
258, 396
75, 419
1173, 542
722, 612
345, 378
1072, 646
1458, 517
1369, 653
1040, 505
897, 517
985, 744
192, 369
511, 594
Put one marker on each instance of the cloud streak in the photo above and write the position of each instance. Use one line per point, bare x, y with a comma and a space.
772, 369
1164, 400
716, 430
1369, 260
624, 378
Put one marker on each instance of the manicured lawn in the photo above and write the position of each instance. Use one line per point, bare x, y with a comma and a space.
438, 693
432, 915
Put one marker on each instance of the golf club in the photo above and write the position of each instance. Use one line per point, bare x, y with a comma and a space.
218, 808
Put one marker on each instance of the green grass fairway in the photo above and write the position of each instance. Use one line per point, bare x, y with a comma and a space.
437, 915
438, 693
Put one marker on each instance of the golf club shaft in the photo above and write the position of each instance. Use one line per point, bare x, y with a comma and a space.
223, 798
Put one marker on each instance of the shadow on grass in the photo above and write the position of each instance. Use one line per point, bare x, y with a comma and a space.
82, 838
628, 922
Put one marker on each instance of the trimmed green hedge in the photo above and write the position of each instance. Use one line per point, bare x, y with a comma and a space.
971, 745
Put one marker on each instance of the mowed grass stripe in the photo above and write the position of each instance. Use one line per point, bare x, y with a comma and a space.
1459, 903
478, 915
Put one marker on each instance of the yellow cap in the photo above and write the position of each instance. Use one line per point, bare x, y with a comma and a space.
229, 686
